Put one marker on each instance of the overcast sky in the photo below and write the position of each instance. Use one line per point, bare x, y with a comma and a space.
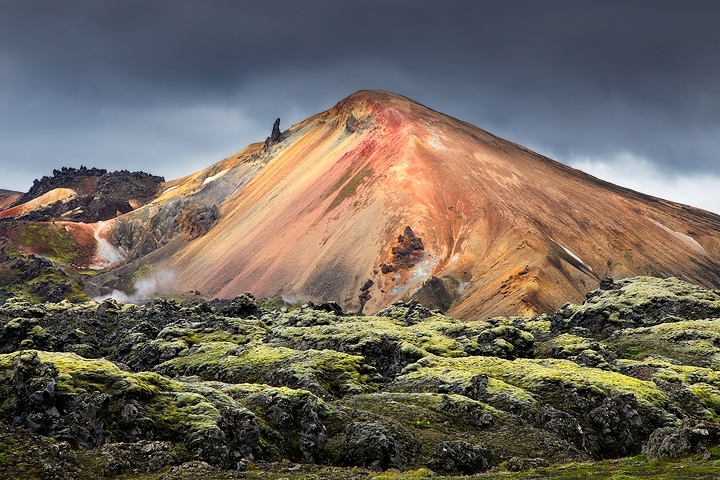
626, 90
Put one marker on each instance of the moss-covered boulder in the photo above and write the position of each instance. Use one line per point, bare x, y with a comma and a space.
398, 336
369, 445
92, 402
690, 437
688, 342
24, 454
585, 351
293, 421
39, 279
458, 457
323, 372
638, 302
616, 412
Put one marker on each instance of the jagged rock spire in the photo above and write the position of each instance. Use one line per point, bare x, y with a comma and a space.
275, 136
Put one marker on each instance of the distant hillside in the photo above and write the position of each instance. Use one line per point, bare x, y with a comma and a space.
89, 195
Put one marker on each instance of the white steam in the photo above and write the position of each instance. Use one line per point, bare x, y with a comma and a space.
145, 288
292, 299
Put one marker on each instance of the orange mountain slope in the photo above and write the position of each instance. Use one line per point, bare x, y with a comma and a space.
380, 199
52, 196
322, 215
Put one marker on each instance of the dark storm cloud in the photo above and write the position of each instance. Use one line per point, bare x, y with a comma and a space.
177, 84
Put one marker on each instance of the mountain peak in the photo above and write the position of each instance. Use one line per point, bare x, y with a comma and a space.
337, 207
379, 96
503, 229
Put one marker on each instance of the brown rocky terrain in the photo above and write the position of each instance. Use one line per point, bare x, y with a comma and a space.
85, 195
7, 197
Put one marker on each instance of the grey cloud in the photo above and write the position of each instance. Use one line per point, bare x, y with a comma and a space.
572, 78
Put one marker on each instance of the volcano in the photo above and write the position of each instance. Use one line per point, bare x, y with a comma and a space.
382, 199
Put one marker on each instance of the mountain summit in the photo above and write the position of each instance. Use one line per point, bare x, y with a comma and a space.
381, 199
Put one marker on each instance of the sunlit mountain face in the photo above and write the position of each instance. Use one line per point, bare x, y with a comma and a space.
381, 199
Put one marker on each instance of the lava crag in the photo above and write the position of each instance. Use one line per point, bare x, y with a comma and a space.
100, 195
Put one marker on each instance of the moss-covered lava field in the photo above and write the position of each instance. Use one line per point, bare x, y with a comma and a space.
623, 386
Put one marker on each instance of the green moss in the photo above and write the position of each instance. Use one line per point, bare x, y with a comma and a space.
350, 187
425, 410
709, 396
695, 342
643, 301
183, 410
271, 303
537, 326
237, 330
77, 374
412, 474
325, 372
437, 334
671, 372
49, 240
569, 346
703, 383
531, 379
443, 346
178, 410
691, 468
341, 181
143, 271
438, 375
47, 280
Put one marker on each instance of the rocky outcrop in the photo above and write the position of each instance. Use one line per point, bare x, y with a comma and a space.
37, 278
101, 195
29, 455
437, 293
196, 221
406, 253
461, 458
82, 180
690, 437
638, 302
275, 136
369, 445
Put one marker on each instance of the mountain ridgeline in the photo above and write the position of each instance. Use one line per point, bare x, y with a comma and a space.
97, 194
318, 212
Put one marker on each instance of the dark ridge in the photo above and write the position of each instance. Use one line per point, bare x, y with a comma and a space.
66, 177
275, 136
102, 195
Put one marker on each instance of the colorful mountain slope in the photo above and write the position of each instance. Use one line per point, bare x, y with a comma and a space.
380, 199
324, 212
